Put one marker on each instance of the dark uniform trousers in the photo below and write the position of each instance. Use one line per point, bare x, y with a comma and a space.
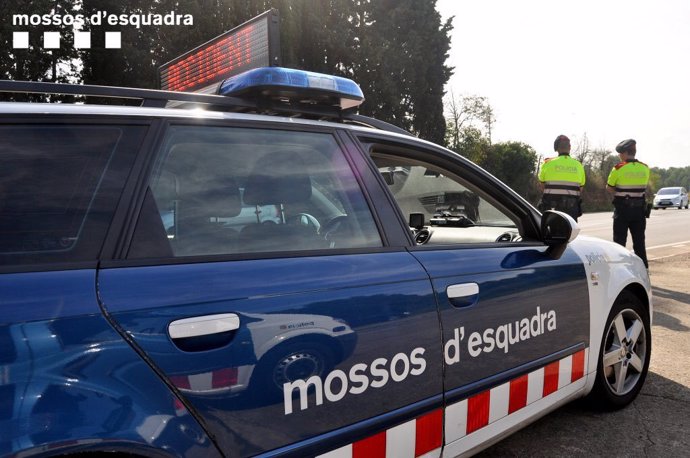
629, 214
565, 204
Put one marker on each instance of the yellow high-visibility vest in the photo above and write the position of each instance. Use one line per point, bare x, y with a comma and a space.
562, 176
630, 179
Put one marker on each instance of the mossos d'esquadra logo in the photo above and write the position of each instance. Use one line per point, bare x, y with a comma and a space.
363, 376
81, 39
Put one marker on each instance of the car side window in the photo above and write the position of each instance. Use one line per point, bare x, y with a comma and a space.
223, 190
449, 210
59, 185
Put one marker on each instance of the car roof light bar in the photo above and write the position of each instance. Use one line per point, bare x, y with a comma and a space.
296, 86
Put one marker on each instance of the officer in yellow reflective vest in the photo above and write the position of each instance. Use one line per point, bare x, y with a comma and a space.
562, 179
628, 183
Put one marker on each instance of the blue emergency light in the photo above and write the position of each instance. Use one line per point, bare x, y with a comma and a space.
293, 84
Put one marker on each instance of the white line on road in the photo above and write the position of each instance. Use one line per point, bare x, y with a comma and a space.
674, 244
590, 225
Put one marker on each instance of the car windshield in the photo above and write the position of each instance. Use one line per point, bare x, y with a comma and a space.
669, 191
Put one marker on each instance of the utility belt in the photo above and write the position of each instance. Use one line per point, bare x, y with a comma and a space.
629, 202
560, 201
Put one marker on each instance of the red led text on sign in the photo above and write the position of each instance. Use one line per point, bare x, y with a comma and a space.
205, 66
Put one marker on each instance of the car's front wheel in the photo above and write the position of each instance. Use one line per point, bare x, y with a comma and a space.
624, 354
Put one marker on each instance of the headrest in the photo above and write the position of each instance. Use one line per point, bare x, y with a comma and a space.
218, 196
278, 178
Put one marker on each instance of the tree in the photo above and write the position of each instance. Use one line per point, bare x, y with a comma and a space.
674, 176
399, 60
514, 163
395, 50
36, 63
465, 112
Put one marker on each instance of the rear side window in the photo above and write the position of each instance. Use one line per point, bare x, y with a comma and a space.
58, 189
222, 190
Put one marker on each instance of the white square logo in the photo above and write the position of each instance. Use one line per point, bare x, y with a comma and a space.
113, 40
51, 40
20, 40
82, 40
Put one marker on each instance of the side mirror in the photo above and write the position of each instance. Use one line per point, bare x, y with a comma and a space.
558, 228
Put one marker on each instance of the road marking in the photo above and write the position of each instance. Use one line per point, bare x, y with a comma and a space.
588, 225
674, 244
664, 257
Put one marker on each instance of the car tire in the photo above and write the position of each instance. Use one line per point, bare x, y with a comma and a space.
290, 362
631, 359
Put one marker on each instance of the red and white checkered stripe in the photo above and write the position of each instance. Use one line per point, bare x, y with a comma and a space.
471, 414
423, 436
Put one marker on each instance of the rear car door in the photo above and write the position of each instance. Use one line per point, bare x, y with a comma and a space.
514, 313
287, 315
67, 379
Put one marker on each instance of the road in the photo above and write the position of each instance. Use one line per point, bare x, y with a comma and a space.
667, 234
656, 424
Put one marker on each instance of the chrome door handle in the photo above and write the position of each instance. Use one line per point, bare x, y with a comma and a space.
463, 295
203, 325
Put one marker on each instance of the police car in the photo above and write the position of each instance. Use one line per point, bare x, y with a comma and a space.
396, 300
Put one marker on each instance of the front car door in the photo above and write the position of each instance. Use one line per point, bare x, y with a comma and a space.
261, 285
514, 313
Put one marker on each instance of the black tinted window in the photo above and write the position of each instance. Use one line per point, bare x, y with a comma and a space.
51, 177
217, 190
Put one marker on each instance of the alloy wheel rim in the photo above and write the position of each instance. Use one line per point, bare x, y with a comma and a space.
300, 365
625, 352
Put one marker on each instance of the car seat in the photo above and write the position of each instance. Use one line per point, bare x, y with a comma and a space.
279, 178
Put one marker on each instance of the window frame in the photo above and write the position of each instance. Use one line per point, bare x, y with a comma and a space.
119, 168
528, 218
122, 243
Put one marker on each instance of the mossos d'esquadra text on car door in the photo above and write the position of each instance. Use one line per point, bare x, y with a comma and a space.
276, 275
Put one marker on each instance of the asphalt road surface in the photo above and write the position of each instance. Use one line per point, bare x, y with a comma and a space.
667, 234
657, 423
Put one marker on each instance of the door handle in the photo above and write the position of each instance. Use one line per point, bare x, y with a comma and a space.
203, 325
463, 295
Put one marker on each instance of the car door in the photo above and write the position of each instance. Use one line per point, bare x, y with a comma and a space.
67, 379
286, 314
514, 312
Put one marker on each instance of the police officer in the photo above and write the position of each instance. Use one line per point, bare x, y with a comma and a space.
628, 182
562, 179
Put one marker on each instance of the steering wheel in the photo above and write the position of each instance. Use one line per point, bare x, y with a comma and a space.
305, 219
332, 226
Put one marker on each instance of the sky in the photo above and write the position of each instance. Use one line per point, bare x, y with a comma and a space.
607, 69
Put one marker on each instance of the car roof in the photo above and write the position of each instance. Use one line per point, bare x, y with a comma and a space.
42, 108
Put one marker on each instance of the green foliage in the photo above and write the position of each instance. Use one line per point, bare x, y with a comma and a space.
35, 63
674, 176
514, 163
472, 144
598, 164
395, 50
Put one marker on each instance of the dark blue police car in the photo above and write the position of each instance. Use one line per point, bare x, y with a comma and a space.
275, 275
